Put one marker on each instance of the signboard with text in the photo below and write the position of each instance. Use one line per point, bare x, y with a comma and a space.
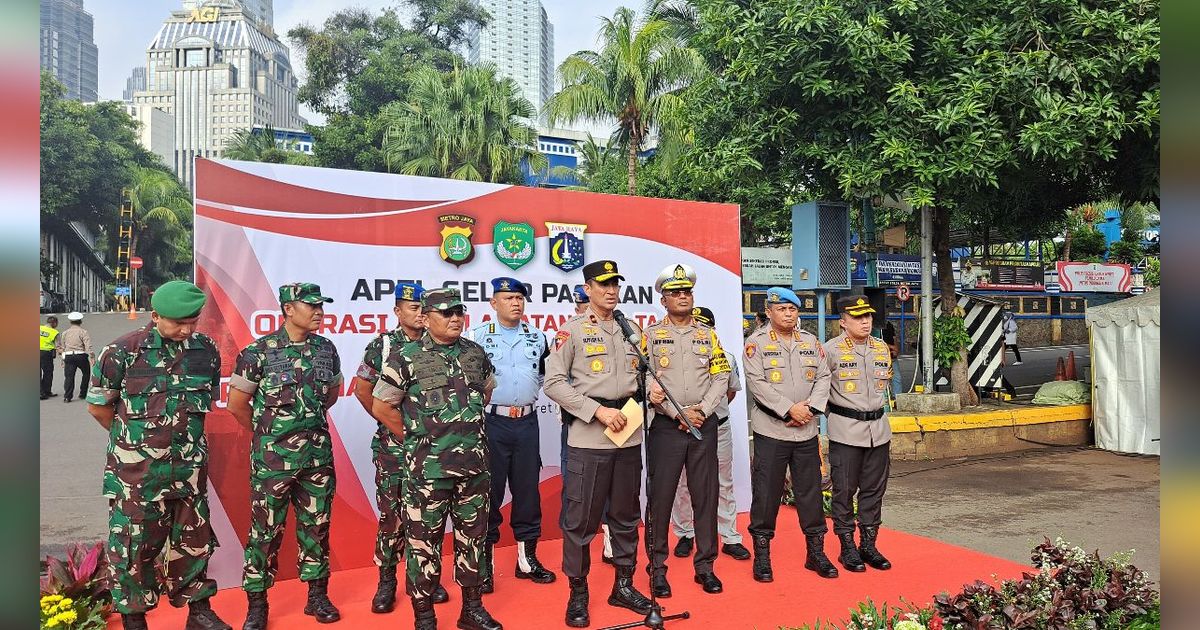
891, 269
767, 266
1095, 277
1002, 275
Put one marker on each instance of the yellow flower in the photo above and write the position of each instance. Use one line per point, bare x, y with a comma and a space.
68, 616
52, 622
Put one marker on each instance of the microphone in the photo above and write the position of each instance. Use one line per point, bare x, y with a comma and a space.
632, 335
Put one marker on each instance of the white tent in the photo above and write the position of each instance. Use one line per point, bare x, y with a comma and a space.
1125, 374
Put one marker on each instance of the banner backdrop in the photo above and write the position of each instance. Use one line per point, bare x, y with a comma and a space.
357, 234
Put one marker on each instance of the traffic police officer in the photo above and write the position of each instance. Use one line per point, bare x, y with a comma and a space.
47, 335
591, 373
150, 390
518, 353
281, 387
788, 379
693, 367
682, 519
432, 393
388, 450
859, 432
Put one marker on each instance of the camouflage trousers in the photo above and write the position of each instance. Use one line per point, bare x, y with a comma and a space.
137, 533
310, 492
427, 503
389, 480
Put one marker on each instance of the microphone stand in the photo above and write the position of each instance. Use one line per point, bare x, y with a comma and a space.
653, 619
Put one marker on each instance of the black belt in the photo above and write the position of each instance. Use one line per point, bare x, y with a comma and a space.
856, 414
771, 412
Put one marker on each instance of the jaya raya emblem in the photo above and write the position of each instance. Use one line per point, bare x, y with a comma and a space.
456, 246
566, 245
513, 243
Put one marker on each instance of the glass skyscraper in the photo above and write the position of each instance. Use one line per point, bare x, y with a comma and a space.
67, 49
519, 41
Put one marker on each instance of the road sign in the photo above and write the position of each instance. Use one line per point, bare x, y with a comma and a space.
121, 291
135, 262
903, 293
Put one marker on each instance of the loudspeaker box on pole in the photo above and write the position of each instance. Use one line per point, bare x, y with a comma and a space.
821, 245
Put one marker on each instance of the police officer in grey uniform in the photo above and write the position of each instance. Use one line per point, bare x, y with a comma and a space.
518, 353
788, 378
591, 373
859, 432
693, 367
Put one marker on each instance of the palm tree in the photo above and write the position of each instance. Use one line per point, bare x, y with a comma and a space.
254, 146
593, 158
162, 213
636, 77
465, 124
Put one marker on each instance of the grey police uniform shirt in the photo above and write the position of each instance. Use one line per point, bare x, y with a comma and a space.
691, 364
782, 371
861, 374
591, 359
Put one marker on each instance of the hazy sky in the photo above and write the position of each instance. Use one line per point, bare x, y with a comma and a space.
124, 29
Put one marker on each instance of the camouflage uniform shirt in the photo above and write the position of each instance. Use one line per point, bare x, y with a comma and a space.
440, 390
162, 390
290, 383
369, 370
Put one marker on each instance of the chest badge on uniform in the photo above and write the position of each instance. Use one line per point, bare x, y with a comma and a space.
597, 365
664, 361
810, 374
774, 362
271, 343
851, 386
662, 333
776, 376
750, 350
702, 349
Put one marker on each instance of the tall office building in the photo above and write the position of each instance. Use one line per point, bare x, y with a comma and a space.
261, 12
217, 71
519, 41
67, 49
135, 83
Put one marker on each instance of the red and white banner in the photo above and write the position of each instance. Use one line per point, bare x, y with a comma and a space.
357, 234
1095, 277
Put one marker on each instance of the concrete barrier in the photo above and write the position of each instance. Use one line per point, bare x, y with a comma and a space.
987, 430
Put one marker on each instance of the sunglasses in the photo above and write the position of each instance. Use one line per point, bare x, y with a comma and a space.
677, 292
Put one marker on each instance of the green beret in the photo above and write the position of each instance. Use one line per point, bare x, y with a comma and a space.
178, 299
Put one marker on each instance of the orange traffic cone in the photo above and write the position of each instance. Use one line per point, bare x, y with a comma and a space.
132, 312
1060, 371
1071, 366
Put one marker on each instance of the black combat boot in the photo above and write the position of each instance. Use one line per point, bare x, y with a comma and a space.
440, 595
423, 616
849, 556
130, 621
487, 580
385, 594
527, 557
762, 559
202, 617
256, 612
625, 595
816, 560
318, 604
474, 616
577, 605
870, 554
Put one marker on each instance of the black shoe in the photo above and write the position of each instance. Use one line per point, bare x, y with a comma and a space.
527, 556
762, 560
625, 595
318, 604
66, 399
202, 617
487, 583
849, 557
256, 612
577, 605
710, 582
737, 550
131, 621
423, 616
660, 586
870, 554
683, 548
440, 595
474, 616
44, 397
816, 560
385, 593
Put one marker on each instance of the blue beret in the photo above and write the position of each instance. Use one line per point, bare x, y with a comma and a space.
409, 291
508, 284
581, 296
779, 295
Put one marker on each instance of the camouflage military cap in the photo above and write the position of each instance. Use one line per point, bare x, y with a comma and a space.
441, 300
177, 299
302, 292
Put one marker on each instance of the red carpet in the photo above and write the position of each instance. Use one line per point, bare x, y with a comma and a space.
922, 568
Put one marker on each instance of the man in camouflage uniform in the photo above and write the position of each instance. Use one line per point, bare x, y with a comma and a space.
431, 393
859, 433
281, 386
388, 449
150, 390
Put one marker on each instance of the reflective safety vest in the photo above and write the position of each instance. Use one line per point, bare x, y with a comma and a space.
46, 337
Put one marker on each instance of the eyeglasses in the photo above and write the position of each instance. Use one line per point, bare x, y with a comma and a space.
456, 311
677, 292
